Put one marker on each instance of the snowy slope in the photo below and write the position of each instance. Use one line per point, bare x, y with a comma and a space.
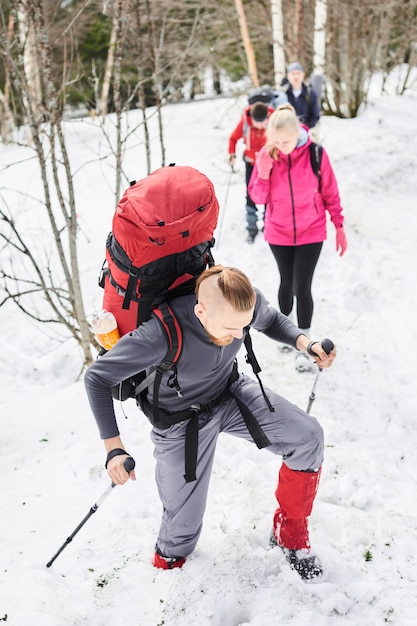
52, 457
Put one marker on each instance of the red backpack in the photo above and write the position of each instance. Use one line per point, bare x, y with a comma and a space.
161, 240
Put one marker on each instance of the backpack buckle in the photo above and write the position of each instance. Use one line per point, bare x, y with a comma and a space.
173, 379
105, 271
165, 366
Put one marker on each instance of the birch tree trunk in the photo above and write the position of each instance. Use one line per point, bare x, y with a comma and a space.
278, 42
320, 19
118, 35
6, 117
141, 87
103, 110
156, 76
32, 95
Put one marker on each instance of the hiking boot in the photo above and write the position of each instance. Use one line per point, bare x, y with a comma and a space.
166, 562
306, 564
303, 561
303, 363
251, 237
295, 493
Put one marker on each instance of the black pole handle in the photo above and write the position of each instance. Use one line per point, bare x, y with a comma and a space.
327, 345
129, 464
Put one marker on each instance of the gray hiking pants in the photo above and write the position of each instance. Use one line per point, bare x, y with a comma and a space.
296, 436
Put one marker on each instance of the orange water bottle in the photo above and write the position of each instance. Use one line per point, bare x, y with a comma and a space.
105, 329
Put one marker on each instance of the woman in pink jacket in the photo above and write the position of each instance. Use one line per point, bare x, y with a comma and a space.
296, 203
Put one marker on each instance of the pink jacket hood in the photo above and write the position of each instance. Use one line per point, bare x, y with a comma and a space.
296, 203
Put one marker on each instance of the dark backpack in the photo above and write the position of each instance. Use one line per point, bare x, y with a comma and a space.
161, 240
263, 94
317, 83
316, 153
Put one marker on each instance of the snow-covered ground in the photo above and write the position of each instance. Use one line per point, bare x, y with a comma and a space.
363, 525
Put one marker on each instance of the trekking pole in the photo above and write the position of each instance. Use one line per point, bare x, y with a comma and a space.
327, 345
219, 229
129, 465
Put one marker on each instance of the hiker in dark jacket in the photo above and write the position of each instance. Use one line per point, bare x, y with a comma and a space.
302, 97
214, 324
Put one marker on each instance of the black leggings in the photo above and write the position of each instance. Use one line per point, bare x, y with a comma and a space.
296, 265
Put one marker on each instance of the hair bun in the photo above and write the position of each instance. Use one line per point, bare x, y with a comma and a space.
286, 107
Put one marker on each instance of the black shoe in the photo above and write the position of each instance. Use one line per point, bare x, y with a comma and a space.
251, 237
306, 564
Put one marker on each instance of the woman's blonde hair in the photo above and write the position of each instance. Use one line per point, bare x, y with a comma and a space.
233, 284
284, 117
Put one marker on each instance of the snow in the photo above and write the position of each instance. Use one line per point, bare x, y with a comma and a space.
363, 523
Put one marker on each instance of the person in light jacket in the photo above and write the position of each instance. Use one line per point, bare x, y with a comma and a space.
297, 201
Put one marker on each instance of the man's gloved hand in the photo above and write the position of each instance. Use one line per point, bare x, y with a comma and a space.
264, 163
341, 241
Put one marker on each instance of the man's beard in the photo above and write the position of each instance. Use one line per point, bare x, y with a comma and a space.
224, 341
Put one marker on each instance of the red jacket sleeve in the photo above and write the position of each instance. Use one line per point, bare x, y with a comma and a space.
235, 136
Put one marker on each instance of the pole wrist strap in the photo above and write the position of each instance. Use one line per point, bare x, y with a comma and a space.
310, 350
112, 454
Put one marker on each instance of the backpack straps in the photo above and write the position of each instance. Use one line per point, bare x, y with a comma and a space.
250, 420
316, 153
256, 368
161, 419
246, 133
170, 323
174, 335
308, 94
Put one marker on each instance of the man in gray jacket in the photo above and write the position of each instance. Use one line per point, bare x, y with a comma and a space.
214, 323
